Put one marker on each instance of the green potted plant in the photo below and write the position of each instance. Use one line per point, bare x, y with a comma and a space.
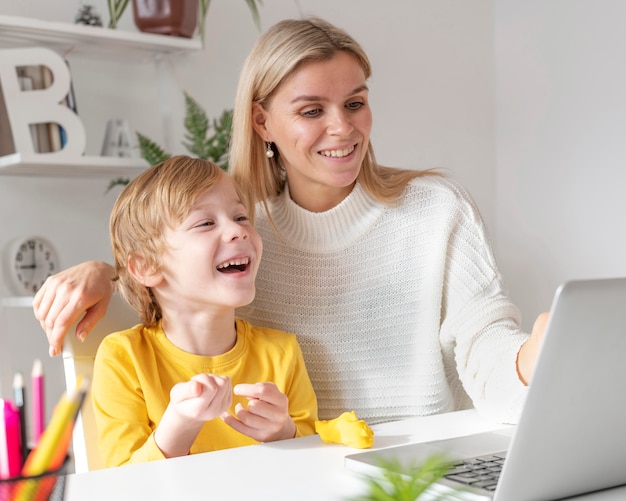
411, 486
117, 8
204, 138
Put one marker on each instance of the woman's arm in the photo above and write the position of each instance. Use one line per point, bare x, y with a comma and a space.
85, 288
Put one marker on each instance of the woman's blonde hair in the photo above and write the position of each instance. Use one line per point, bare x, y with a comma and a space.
275, 56
162, 195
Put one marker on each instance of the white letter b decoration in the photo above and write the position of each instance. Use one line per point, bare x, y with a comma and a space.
37, 106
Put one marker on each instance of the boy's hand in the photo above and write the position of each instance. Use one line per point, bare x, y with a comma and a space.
267, 417
203, 398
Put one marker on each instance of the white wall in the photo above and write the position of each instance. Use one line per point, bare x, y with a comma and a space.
432, 96
561, 153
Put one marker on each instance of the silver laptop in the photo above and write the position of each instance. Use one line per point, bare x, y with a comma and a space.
571, 437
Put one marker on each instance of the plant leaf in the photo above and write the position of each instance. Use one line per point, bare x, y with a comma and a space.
255, 12
151, 151
408, 486
197, 126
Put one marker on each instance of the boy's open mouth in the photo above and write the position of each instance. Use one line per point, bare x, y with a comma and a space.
234, 265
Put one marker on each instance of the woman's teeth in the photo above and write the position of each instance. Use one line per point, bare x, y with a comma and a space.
337, 153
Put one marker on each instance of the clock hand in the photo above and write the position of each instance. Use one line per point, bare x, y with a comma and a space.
28, 266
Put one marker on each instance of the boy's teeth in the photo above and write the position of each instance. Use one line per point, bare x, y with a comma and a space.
234, 262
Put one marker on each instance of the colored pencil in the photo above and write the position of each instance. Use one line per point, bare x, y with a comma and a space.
20, 403
38, 401
10, 449
46, 454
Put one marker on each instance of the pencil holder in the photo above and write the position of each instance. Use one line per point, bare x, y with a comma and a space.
49, 486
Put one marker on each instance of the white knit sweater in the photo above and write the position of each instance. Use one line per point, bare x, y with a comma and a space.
400, 311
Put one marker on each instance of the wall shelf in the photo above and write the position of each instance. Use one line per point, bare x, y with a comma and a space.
17, 301
19, 164
22, 32
91, 42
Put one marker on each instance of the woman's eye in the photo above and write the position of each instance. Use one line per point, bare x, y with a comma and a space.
311, 113
355, 105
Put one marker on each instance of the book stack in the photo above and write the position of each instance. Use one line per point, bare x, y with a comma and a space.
47, 137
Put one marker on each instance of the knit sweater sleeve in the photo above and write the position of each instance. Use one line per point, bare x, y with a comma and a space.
479, 324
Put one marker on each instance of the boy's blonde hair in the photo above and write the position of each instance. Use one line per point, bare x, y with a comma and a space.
161, 195
275, 56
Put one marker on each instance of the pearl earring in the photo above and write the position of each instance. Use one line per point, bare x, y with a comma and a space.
269, 152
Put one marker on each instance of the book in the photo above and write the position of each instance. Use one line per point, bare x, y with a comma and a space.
26, 83
54, 129
31, 78
6, 136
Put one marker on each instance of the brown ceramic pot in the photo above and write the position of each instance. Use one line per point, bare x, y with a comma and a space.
166, 17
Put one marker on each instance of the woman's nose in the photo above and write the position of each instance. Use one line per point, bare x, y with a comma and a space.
339, 123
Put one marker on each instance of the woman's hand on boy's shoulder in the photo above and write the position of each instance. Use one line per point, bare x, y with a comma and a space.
266, 418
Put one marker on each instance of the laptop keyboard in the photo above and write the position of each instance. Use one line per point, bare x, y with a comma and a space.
481, 472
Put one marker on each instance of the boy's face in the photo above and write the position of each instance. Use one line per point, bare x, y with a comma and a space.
213, 256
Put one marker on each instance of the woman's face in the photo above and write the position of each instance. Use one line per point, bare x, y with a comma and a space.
320, 121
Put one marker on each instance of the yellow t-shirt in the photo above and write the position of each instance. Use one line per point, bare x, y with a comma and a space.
135, 370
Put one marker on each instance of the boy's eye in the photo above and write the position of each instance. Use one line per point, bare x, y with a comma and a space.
242, 218
205, 223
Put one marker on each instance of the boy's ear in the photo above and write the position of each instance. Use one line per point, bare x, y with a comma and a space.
259, 117
144, 272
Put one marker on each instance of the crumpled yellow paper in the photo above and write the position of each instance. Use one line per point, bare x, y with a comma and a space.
346, 429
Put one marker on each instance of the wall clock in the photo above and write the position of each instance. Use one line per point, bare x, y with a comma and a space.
28, 262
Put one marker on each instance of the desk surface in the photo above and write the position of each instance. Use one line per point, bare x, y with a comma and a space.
301, 468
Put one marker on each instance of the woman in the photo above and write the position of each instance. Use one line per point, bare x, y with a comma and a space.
386, 276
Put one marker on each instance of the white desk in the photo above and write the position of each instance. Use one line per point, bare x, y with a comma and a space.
301, 468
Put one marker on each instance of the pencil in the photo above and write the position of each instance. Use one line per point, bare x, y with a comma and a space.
10, 451
51, 451
38, 400
20, 403
47, 454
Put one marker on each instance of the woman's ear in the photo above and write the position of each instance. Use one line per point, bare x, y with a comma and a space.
259, 119
143, 271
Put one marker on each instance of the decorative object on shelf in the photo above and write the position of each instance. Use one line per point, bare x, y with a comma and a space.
36, 101
177, 18
117, 139
197, 126
116, 9
88, 16
28, 262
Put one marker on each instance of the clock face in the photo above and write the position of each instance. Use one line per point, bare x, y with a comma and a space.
30, 261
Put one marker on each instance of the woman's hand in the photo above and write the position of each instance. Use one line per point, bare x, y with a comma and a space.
528, 353
267, 417
85, 288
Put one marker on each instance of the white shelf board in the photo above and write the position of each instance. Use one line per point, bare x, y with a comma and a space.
18, 164
23, 32
17, 302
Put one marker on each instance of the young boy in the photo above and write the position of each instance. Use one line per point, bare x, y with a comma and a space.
191, 378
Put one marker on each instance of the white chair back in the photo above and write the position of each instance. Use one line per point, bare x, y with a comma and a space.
78, 359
